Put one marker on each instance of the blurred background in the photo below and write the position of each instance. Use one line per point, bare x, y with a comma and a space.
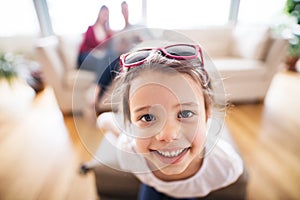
48, 109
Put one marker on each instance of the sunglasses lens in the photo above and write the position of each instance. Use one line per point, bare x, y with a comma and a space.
181, 50
137, 56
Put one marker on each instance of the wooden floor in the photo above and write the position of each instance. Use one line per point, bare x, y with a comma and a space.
40, 155
41, 150
268, 137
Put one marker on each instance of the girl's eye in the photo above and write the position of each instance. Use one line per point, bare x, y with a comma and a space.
147, 118
185, 114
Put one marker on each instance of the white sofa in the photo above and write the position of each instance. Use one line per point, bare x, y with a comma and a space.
247, 57
58, 61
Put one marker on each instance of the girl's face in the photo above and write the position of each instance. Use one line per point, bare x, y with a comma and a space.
169, 112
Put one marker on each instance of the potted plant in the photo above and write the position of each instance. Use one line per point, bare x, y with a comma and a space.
292, 9
15, 67
8, 71
15, 94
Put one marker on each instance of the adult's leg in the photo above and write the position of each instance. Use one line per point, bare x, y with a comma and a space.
81, 57
90, 62
106, 77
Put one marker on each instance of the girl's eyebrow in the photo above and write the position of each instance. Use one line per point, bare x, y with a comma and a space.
191, 104
138, 109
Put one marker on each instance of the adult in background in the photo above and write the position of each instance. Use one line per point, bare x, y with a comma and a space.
94, 48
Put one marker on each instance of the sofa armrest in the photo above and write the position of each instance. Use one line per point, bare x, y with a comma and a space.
277, 53
46, 50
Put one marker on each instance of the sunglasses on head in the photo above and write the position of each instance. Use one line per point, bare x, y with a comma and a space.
176, 51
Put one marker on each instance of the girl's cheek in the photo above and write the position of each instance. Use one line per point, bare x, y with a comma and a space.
201, 136
142, 145
196, 135
199, 140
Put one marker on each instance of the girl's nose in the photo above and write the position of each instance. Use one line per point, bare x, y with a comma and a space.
169, 132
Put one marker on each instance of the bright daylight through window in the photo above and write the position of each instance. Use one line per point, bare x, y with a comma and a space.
18, 18
153, 13
72, 17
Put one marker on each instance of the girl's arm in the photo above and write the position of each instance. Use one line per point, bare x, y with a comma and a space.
106, 122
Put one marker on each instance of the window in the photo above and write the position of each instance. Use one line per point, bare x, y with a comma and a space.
260, 12
18, 18
69, 16
75, 16
187, 14
116, 18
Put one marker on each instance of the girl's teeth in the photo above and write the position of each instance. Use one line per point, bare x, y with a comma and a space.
171, 153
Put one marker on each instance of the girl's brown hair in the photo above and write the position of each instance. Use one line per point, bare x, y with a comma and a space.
159, 63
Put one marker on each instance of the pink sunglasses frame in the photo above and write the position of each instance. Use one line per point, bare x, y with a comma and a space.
166, 54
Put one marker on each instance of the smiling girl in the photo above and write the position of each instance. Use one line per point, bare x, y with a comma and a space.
162, 123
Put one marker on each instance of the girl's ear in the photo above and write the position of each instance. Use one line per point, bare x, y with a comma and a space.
208, 113
208, 107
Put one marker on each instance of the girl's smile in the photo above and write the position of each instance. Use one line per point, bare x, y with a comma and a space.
171, 156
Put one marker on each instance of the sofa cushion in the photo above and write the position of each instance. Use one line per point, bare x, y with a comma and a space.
250, 41
215, 41
78, 79
239, 68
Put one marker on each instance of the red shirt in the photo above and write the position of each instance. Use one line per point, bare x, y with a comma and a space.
90, 41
